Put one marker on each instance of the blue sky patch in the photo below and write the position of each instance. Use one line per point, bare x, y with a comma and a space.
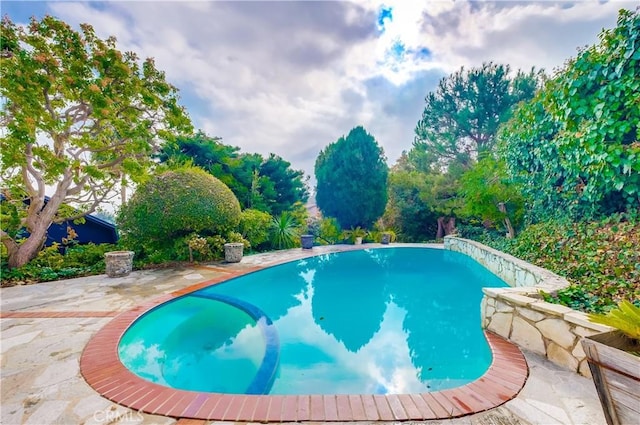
22, 11
423, 53
398, 49
385, 14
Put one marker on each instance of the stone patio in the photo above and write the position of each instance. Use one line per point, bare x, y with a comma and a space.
44, 328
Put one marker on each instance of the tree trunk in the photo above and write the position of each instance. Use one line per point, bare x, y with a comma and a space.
29, 249
511, 233
37, 224
450, 226
446, 226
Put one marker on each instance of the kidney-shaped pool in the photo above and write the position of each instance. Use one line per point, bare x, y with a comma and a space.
373, 321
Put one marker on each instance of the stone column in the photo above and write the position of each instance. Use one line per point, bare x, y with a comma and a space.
233, 252
118, 263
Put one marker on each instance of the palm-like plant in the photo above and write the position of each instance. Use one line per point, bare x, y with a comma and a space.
625, 318
284, 233
353, 233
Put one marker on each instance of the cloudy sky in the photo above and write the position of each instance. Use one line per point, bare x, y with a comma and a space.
291, 77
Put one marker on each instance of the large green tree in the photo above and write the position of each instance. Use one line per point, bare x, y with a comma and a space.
77, 117
459, 124
575, 148
461, 117
269, 185
352, 180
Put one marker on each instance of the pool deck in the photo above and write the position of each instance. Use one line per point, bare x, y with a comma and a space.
45, 328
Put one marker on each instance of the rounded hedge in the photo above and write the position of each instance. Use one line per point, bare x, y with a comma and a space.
177, 203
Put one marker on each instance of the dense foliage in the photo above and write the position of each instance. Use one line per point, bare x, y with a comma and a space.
575, 149
266, 184
284, 231
175, 204
352, 180
600, 259
490, 196
52, 264
78, 116
409, 211
254, 227
459, 125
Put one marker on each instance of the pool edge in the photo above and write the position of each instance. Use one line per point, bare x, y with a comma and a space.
101, 368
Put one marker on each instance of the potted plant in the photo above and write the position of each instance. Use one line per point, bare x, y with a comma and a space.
387, 237
354, 235
309, 232
614, 361
307, 241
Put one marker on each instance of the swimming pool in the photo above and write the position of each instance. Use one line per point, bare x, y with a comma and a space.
374, 321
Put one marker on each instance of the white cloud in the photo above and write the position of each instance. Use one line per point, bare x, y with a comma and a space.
292, 77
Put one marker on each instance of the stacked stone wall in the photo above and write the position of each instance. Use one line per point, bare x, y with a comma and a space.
519, 314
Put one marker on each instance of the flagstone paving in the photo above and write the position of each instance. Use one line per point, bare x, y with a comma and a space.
44, 328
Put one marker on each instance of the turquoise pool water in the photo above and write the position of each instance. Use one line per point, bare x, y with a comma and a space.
375, 321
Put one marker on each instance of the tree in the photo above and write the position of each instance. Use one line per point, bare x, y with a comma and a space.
288, 184
442, 195
575, 148
461, 118
352, 180
459, 124
269, 185
423, 205
78, 117
407, 211
489, 195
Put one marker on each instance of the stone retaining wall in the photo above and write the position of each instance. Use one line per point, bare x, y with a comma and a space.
514, 271
520, 315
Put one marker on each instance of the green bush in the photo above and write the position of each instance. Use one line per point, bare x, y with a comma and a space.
601, 260
254, 227
284, 232
90, 255
329, 231
353, 233
573, 150
173, 205
51, 264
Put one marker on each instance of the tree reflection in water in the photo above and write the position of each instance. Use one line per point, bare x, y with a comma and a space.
393, 320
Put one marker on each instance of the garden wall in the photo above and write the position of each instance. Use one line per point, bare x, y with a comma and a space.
520, 315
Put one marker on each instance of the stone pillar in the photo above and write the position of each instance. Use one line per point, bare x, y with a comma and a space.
233, 252
118, 263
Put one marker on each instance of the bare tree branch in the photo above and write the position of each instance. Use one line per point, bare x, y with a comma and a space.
37, 176
92, 207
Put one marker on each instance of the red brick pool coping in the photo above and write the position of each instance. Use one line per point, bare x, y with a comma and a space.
101, 368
